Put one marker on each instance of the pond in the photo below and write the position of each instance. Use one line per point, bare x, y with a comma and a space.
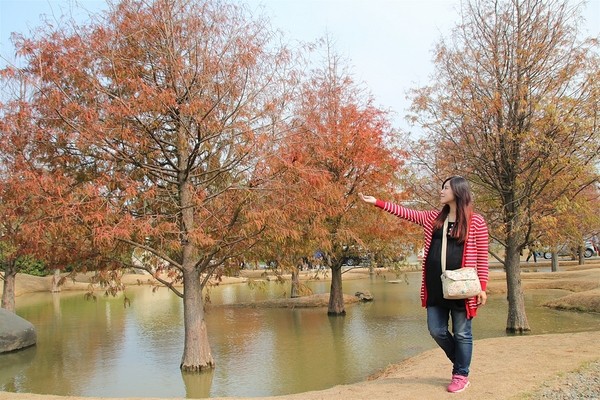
101, 348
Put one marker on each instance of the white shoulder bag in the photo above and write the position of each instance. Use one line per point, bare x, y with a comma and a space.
459, 283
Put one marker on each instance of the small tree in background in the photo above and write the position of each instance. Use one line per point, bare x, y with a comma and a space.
573, 221
341, 144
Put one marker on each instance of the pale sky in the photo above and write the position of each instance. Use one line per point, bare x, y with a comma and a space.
388, 43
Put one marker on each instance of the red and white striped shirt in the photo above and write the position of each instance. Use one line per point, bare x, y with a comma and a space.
475, 249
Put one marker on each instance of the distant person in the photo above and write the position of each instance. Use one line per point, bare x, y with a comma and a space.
467, 246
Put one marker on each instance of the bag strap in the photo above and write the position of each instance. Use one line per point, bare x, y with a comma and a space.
444, 244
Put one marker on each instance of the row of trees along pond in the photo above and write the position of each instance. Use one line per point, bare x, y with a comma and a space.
190, 132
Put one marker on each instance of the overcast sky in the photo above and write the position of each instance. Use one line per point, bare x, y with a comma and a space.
388, 43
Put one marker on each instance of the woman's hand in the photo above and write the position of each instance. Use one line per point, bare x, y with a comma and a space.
481, 298
367, 199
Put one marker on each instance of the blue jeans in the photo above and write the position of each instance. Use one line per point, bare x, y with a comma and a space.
458, 346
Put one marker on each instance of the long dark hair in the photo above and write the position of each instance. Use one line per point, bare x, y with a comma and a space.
464, 208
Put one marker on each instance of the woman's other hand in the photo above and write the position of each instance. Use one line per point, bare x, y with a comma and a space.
367, 199
481, 298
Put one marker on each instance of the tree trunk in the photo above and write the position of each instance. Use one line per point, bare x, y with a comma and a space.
336, 296
56, 281
295, 283
197, 355
554, 262
8, 295
517, 318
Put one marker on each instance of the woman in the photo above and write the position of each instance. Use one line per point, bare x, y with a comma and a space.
467, 246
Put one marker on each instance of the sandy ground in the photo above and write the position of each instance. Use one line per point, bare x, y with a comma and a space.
513, 367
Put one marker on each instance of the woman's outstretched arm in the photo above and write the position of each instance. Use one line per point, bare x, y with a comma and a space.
418, 217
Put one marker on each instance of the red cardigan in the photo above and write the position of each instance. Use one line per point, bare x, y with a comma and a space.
476, 247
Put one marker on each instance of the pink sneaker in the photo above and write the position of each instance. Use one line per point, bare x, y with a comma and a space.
458, 384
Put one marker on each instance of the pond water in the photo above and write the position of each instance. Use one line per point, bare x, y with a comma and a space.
101, 348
